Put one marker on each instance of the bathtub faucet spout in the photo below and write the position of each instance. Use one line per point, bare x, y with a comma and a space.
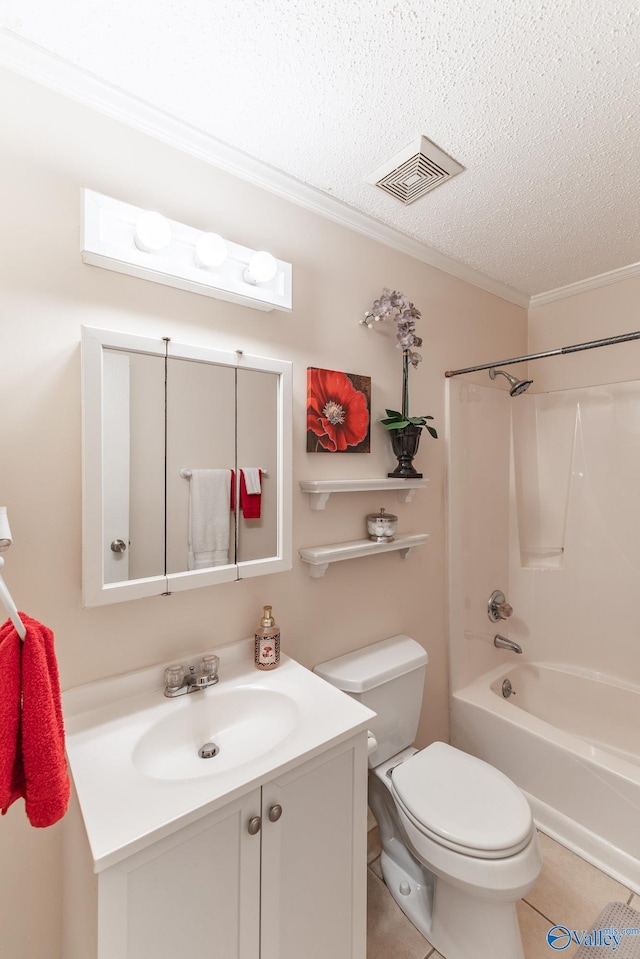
502, 643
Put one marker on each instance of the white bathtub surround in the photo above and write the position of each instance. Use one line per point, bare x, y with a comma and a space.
543, 505
565, 739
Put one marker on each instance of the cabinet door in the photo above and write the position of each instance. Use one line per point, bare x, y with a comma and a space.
195, 893
314, 858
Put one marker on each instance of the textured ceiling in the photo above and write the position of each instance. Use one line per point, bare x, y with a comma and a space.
538, 101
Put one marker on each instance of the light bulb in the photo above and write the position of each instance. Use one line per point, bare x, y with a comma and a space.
211, 250
153, 232
262, 268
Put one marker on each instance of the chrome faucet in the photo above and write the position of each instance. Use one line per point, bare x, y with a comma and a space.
503, 643
498, 608
178, 683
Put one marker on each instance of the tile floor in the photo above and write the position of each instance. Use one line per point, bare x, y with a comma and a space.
569, 891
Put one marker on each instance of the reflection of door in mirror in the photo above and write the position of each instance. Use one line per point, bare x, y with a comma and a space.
115, 444
133, 456
200, 436
257, 405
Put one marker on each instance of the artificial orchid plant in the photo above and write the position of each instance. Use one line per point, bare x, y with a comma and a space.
397, 307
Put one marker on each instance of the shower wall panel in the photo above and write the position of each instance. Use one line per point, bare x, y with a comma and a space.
544, 496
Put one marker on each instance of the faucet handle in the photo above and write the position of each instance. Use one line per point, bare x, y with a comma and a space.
174, 676
210, 664
498, 608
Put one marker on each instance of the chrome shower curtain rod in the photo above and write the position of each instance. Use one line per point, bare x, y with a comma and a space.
592, 345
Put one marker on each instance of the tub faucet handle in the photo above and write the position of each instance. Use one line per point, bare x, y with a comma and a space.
498, 608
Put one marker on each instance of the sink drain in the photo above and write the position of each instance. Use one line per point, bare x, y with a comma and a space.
208, 751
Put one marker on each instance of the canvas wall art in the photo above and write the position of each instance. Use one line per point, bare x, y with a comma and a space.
338, 412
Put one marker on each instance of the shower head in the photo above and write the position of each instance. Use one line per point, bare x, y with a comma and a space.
517, 386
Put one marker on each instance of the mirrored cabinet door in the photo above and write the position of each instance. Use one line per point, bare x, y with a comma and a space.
201, 435
257, 412
171, 434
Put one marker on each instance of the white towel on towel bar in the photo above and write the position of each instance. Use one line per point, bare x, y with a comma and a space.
209, 514
252, 479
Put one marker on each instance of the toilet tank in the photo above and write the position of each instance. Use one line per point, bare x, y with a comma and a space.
388, 677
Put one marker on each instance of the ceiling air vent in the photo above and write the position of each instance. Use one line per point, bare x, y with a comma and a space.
414, 171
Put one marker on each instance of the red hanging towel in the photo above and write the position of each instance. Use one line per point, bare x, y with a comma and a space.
250, 503
10, 669
40, 768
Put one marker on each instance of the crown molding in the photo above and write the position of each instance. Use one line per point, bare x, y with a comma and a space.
37, 64
583, 286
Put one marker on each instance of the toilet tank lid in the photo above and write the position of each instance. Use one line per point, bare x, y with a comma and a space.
373, 665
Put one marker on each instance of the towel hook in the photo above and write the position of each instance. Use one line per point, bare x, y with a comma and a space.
5, 596
10, 606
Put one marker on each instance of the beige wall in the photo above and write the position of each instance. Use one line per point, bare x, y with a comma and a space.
50, 149
606, 311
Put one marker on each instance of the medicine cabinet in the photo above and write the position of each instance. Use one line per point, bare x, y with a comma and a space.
154, 411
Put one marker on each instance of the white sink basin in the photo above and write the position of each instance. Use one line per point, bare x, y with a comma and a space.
243, 723
134, 752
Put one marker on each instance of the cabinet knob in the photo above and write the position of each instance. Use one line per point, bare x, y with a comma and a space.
275, 812
254, 825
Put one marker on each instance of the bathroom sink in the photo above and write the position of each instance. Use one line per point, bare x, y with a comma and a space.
134, 753
243, 722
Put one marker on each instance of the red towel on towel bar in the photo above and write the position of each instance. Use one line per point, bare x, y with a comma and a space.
32, 753
250, 503
10, 656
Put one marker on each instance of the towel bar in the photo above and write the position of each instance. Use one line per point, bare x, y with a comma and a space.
186, 473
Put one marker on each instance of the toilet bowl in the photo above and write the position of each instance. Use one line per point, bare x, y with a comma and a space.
459, 845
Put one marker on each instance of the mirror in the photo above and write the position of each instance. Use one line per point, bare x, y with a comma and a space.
186, 466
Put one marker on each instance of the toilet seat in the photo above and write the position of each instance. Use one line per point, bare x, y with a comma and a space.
462, 803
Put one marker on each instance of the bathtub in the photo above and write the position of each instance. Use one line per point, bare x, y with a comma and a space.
571, 741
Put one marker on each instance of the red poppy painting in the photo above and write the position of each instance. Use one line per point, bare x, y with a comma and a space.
338, 412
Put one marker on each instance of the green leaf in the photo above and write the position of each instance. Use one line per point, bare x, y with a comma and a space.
394, 414
432, 431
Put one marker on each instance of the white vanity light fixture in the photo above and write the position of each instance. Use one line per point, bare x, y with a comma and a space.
121, 237
261, 269
210, 252
153, 232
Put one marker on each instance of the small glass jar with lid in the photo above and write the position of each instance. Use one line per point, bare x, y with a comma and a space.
382, 526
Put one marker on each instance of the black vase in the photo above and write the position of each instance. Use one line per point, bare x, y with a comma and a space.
405, 444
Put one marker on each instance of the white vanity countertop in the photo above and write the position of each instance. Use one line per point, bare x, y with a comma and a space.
125, 808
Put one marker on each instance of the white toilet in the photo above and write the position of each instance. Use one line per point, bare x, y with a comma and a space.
459, 845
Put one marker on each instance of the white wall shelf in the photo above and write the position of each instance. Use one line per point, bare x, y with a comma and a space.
320, 557
320, 490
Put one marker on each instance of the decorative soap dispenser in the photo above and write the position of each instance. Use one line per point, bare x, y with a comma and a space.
267, 641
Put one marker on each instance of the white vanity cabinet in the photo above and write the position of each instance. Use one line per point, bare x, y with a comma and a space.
278, 873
